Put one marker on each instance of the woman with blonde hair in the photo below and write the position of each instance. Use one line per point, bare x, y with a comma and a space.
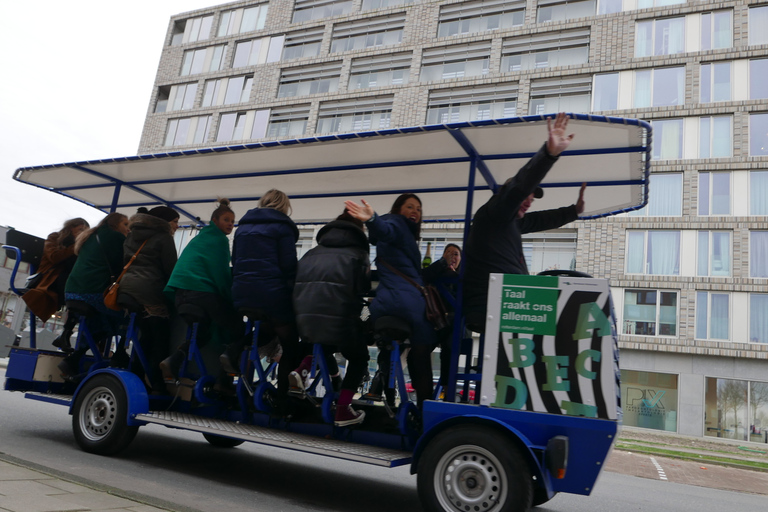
264, 270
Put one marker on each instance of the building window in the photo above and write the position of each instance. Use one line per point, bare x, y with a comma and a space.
227, 91
716, 30
714, 193
660, 37
736, 409
668, 134
303, 44
758, 20
242, 125
560, 95
758, 134
189, 130
645, 4
479, 16
472, 103
661, 87
360, 114
192, 30
257, 51
460, 61
666, 198
288, 122
609, 6
202, 60
714, 253
552, 49
758, 79
605, 92
309, 80
368, 33
653, 252
715, 137
238, 21
380, 71
556, 251
369, 5
559, 10
306, 10
758, 318
758, 254
650, 313
176, 97
758, 193
649, 400
715, 84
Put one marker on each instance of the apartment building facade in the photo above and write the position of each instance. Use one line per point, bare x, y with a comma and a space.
688, 271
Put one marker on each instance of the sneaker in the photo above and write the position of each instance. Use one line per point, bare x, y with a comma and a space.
272, 351
346, 416
296, 382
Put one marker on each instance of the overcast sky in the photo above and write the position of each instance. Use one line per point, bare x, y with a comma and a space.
76, 84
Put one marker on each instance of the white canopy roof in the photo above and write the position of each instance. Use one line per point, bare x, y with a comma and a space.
611, 154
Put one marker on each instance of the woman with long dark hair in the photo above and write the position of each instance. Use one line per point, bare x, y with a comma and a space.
396, 236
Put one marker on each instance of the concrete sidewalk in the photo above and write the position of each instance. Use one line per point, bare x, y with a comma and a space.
23, 489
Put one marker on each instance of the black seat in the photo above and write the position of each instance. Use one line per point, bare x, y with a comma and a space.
192, 313
80, 308
125, 301
392, 327
563, 273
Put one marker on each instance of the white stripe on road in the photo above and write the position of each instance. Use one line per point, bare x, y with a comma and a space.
662, 475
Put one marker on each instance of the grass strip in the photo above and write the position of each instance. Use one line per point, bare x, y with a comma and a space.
763, 466
640, 441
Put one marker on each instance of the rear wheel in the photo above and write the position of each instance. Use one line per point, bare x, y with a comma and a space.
467, 468
221, 441
99, 417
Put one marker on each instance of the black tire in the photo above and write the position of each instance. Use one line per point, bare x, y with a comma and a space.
99, 417
221, 441
491, 474
540, 497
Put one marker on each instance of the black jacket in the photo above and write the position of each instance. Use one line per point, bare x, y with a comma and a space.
330, 282
495, 242
149, 273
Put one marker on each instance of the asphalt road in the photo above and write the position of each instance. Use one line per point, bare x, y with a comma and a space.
164, 467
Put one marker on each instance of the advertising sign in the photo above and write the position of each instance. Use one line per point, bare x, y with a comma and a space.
552, 342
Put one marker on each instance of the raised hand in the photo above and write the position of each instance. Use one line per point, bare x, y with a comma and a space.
580, 201
363, 213
558, 141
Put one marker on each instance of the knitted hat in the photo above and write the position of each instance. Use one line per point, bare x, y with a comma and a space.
164, 212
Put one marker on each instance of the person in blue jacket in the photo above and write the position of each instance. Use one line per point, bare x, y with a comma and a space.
396, 236
264, 270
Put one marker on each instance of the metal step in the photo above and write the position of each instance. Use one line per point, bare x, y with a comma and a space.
49, 397
273, 437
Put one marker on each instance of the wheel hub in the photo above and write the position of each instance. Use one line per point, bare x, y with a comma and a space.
99, 415
471, 482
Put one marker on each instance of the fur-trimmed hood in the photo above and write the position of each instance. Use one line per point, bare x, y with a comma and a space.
144, 226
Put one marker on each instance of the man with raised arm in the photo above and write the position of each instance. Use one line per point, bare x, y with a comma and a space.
495, 242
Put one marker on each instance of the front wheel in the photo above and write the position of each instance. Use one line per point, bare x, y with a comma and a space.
470, 468
99, 417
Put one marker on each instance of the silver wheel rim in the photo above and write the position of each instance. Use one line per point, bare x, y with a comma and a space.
99, 412
469, 478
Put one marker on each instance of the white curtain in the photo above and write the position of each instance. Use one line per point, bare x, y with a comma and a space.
664, 252
758, 254
666, 194
635, 242
758, 20
721, 253
719, 312
670, 133
758, 193
758, 318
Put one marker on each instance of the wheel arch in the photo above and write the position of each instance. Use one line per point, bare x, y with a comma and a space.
515, 436
135, 392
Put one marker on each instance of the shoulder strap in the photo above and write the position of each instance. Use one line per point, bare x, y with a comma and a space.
127, 265
393, 269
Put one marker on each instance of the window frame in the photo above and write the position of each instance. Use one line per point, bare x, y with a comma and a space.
707, 320
658, 312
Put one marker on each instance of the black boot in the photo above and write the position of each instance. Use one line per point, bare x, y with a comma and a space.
376, 387
171, 365
230, 359
62, 342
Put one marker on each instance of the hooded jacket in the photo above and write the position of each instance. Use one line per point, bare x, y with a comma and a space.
147, 276
330, 282
264, 263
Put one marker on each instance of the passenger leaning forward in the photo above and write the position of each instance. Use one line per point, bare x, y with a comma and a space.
202, 277
396, 236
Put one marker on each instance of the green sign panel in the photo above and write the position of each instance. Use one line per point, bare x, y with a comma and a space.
529, 306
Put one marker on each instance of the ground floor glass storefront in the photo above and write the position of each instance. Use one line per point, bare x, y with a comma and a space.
736, 409
649, 400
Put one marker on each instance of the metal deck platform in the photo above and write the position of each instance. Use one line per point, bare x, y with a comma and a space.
49, 397
272, 437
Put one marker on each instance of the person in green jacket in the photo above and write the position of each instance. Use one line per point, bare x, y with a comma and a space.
203, 277
99, 253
